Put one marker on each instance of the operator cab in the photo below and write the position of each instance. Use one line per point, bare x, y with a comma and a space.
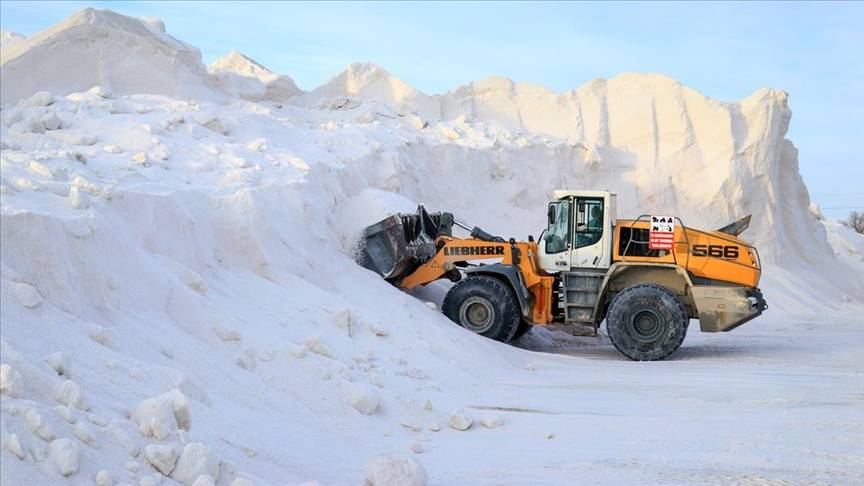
579, 231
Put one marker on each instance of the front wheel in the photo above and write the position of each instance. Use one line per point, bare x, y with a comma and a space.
484, 305
646, 322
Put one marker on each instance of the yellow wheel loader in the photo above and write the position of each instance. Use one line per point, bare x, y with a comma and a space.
647, 277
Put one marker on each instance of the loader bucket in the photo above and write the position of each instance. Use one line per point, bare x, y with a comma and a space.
395, 246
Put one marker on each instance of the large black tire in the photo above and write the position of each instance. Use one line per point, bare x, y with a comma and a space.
484, 305
646, 322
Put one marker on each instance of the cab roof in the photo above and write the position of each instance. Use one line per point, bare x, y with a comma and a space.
562, 193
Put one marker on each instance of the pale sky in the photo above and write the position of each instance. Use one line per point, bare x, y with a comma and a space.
814, 51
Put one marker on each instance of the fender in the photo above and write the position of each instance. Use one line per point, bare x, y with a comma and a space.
512, 274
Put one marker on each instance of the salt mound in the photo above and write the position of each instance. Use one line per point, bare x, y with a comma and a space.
103, 48
368, 80
242, 77
661, 145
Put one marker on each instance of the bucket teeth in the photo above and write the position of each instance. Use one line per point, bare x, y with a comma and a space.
395, 246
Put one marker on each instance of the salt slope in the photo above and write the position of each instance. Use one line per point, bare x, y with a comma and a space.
665, 147
242, 77
102, 48
7, 38
156, 253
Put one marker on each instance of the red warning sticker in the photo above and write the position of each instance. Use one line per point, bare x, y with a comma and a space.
661, 235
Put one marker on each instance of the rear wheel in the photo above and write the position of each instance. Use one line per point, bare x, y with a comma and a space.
646, 322
484, 305
524, 327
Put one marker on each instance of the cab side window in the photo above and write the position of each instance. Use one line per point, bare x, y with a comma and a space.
589, 221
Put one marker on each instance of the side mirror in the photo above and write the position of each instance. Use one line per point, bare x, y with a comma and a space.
550, 214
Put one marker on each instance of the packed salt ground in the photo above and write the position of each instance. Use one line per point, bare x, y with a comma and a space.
180, 303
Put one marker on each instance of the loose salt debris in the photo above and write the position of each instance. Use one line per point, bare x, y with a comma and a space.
396, 470
461, 420
242, 482
550, 435
112, 149
428, 405
362, 397
434, 427
66, 456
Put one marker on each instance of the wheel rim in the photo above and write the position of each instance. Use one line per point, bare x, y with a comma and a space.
646, 326
476, 314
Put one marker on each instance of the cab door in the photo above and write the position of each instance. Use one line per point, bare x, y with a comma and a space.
590, 235
557, 241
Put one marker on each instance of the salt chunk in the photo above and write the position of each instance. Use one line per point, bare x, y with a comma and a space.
157, 417
492, 421
242, 482
396, 470
78, 198
42, 98
69, 393
315, 345
112, 149
103, 478
461, 420
51, 121
434, 427
378, 329
66, 456
196, 460
57, 362
26, 294
204, 480
11, 381
37, 425
65, 413
162, 457
362, 397
415, 447
83, 433
14, 446
101, 92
